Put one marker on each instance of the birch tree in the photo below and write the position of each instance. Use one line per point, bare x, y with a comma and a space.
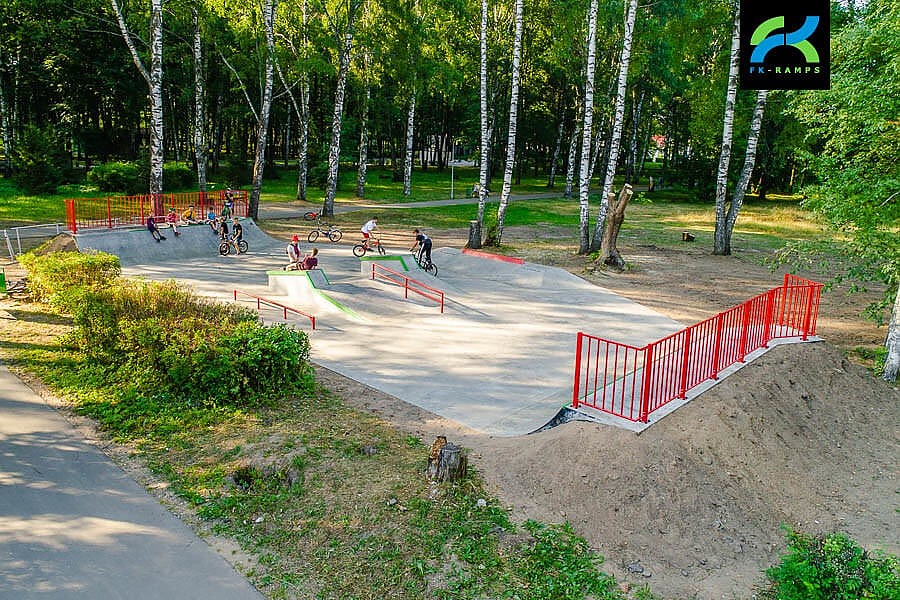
154, 78
269, 9
363, 144
619, 118
337, 120
4, 119
513, 123
408, 155
584, 184
719, 241
554, 162
475, 236
199, 103
727, 226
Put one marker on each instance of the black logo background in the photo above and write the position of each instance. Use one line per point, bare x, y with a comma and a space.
754, 12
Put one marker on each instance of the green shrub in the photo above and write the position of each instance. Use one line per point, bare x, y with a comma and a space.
119, 177
55, 276
832, 567
235, 173
178, 176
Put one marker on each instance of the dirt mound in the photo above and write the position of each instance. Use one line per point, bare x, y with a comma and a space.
61, 243
693, 506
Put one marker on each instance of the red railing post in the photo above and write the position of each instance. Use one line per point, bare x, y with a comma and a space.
745, 331
770, 315
70, 216
717, 348
685, 361
808, 311
108, 213
577, 382
373, 271
648, 382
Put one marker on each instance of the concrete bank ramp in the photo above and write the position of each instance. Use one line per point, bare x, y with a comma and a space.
137, 246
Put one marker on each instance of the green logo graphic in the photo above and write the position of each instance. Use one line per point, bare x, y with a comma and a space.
799, 39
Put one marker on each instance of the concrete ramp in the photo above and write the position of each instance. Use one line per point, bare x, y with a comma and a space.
137, 246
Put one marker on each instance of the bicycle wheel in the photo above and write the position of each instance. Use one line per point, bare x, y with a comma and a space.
313, 236
431, 268
243, 246
381, 250
223, 248
359, 250
335, 235
310, 215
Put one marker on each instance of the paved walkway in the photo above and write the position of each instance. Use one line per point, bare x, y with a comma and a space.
74, 525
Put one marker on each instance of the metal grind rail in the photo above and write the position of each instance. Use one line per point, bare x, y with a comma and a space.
260, 301
632, 382
111, 212
408, 284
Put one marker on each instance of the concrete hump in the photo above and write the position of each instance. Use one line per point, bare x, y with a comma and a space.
137, 246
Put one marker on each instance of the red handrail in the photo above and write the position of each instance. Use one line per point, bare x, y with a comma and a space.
260, 301
632, 382
409, 284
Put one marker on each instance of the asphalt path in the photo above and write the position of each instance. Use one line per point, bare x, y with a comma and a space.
74, 525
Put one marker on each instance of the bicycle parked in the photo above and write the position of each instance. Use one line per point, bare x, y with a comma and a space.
373, 244
311, 215
229, 245
332, 232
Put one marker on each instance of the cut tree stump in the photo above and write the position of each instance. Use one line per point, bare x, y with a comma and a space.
447, 461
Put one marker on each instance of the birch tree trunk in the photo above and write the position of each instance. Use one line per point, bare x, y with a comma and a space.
749, 162
334, 149
199, 102
573, 154
631, 170
270, 7
719, 242
584, 181
408, 158
475, 232
363, 146
892, 343
551, 181
5, 123
303, 153
153, 77
619, 117
513, 124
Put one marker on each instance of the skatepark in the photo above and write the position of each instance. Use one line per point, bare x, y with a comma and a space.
498, 359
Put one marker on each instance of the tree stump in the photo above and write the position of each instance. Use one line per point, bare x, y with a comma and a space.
447, 461
474, 236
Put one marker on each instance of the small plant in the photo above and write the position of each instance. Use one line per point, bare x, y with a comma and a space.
832, 567
54, 275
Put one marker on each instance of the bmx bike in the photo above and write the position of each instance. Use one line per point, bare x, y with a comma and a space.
425, 263
372, 244
332, 232
228, 246
311, 215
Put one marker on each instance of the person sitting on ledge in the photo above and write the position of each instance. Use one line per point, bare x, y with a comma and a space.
172, 220
310, 261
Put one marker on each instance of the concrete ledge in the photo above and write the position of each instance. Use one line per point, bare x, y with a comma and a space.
365, 263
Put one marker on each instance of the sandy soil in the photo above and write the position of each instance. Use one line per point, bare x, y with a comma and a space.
694, 505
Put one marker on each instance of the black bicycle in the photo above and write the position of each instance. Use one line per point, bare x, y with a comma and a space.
332, 232
425, 263
227, 246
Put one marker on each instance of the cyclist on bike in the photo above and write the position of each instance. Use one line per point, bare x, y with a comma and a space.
237, 234
424, 244
368, 228
223, 230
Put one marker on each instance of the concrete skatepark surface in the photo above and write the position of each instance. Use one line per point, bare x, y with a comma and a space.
498, 360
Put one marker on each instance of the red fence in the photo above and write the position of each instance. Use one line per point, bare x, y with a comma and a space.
286, 309
632, 382
408, 284
130, 211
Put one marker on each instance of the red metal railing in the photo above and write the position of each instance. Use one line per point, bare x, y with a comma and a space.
632, 382
408, 284
260, 301
130, 211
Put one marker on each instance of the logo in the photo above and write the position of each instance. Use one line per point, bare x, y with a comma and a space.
785, 49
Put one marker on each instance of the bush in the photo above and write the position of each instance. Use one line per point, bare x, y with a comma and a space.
119, 177
54, 276
236, 174
40, 160
832, 567
178, 176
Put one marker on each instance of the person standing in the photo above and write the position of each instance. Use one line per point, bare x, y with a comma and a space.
237, 234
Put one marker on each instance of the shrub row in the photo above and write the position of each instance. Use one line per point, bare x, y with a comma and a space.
162, 338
